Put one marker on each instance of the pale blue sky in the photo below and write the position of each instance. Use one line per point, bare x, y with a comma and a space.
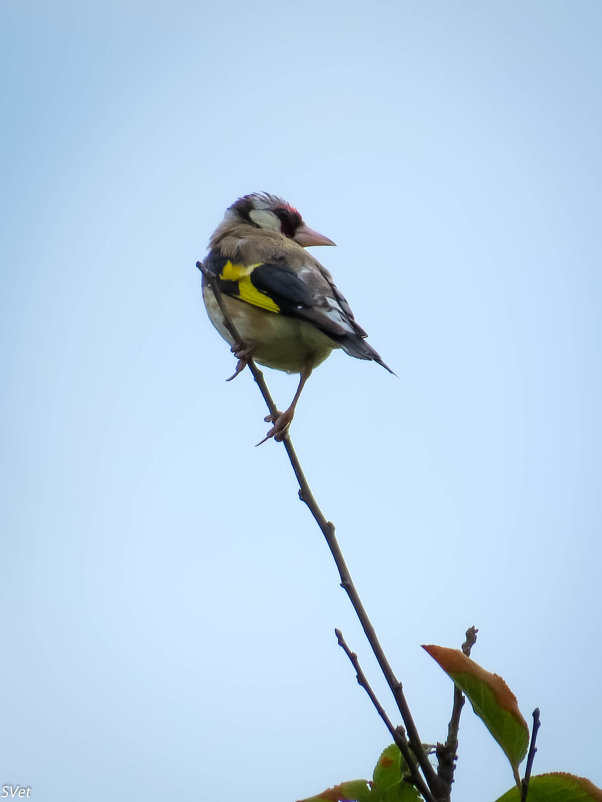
167, 604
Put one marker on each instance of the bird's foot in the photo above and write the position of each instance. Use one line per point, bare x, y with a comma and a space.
281, 421
244, 353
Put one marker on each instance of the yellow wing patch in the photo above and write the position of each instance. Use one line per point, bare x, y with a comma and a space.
246, 291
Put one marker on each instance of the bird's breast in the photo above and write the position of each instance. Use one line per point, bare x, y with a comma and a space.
280, 342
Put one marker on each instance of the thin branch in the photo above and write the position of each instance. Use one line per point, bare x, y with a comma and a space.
530, 757
257, 374
397, 733
439, 789
447, 753
395, 685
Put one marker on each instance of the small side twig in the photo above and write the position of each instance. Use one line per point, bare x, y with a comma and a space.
447, 753
530, 757
438, 788
397, 733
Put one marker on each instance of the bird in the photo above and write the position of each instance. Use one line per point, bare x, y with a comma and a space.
282, 302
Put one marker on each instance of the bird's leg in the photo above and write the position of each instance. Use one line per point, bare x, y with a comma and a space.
243, 352
282, 420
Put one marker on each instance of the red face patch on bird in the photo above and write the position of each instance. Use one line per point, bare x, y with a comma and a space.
290, 220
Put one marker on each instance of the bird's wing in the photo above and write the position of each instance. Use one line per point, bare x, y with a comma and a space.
295, 287
273, 285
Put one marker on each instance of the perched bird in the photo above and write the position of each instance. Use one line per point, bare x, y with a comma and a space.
282, 302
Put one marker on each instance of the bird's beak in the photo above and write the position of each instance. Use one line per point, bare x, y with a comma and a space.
307, 236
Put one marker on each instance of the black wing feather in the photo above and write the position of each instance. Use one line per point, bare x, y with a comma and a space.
283, 285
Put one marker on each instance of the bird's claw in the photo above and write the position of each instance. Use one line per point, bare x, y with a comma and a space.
244, 353
240, 366
281, 421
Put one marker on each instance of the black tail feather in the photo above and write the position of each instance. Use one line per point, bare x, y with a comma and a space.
359, 348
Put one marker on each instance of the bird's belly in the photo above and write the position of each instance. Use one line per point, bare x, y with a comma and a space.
279, 342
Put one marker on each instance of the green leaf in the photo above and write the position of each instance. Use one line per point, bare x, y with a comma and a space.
388, 784
556, 787
352, 791
388, 770
403, 792
491, 699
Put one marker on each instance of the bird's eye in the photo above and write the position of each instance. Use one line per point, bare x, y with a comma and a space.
290, 220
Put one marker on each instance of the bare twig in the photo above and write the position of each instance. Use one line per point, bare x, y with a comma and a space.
530, 757
397, 733
471, 639
395, 685
447, 753
437, 786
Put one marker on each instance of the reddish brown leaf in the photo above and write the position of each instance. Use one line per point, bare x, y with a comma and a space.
491, 699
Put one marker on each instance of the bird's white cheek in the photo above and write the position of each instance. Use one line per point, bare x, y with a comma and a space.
264, 219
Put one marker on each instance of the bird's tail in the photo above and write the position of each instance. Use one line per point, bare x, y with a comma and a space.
359, 348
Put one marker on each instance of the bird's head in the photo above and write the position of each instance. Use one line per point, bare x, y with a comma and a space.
270, 213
